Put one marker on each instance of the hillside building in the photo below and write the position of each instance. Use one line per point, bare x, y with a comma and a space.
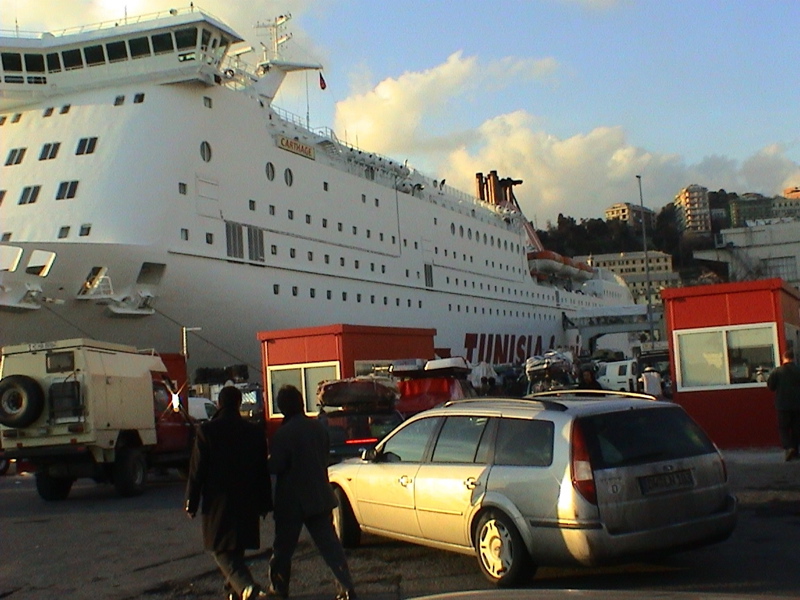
632, 214
692, 210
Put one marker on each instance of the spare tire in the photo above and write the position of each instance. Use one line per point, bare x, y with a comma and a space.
21, 401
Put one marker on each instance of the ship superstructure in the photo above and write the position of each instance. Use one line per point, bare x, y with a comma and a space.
149, 185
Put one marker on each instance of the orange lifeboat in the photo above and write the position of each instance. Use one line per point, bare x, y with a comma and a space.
546, 262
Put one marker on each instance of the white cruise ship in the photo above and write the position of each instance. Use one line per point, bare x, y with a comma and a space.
149, 187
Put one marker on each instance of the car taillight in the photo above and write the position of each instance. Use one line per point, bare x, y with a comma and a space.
582, 475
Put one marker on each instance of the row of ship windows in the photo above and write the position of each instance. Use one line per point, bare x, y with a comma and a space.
35, 65
50, 150
50, 110
63, 232
30, 193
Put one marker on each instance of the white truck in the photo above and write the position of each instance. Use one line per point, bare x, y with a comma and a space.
84, 408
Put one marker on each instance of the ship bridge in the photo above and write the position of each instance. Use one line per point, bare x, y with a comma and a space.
178, 45
593, 323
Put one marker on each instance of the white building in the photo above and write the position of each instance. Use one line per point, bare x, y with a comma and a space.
768, 248
692, 210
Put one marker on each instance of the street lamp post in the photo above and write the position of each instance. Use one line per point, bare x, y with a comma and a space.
184, 341
646, 264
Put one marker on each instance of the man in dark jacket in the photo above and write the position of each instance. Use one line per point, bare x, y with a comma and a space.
303, 495
229, 471
785, 382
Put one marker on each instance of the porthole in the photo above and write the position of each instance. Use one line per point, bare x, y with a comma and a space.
270, 171
288, 177
205, 152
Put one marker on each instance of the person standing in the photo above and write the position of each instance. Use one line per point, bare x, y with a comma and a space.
651, 382
589, 380
229, 473
303, 495
785, 382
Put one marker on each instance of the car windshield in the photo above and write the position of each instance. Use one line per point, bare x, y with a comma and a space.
631, 437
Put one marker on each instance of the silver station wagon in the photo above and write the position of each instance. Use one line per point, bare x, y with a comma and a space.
559, 478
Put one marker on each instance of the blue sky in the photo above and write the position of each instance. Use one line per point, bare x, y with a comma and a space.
575, 97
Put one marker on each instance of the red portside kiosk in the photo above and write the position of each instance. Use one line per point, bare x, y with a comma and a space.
304, 357
724, 340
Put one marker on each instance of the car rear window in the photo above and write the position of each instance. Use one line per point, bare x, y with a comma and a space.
633, 437
524, 443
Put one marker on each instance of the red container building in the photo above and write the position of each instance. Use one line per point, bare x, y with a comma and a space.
724, 340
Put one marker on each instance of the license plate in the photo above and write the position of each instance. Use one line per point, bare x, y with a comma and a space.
666, 482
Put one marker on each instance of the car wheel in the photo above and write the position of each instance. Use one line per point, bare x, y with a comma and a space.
4, 465
502, 555
21, 401
130, 472
53, 488
344, 521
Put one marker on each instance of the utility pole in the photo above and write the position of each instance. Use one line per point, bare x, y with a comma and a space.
646, 264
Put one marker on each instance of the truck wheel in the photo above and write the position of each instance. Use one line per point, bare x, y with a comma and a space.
130, 472
52, 488
21, 401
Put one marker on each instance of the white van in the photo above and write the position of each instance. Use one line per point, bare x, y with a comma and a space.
620, 375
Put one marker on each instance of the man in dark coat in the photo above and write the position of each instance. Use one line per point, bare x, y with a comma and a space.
785, 382
230, 473
303, 495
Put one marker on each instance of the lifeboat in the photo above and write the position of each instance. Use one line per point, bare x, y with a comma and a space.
585, 272
571, 269
546, 262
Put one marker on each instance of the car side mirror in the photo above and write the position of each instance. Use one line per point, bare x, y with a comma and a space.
369, 454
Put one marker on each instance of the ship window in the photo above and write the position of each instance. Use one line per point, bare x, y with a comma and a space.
86, 146
324, 223
16, 118
272, 209
290, 214
312, 292
428, 275
356, 264
29, 194
233, 235
273, 249
63, 232
94, 55
327, 259
184, 234
116, 51
138, 98
341, 261
49, 151
53, 63
270, 171
65, 109
292, 253
339, 226
119, 100
204, 39
355, 230
364, 198
325, 186
48, 111
251, 204
34, 63
162, 42
182, 188
328, 294
3, 120
139, 47
66, 189
6, 237
72, 59
294, 290
276, 289
369, 233
288, 177
2, 196
209, 238
344, 296
12, 62
15, 156
380, 236
205, 151
186, 38
377, 202
310, 256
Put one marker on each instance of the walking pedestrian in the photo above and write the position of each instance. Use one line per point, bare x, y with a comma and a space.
303, 495
229, 473
785, 382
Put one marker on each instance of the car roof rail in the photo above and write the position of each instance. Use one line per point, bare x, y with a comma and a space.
546, 404
579, 394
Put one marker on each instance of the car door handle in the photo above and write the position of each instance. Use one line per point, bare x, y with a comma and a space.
471, 483
405, 480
